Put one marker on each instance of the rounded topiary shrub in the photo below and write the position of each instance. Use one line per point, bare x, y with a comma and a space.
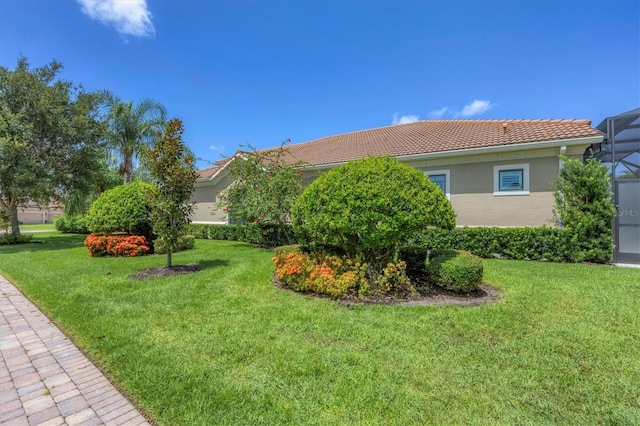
369, 206
125, 208
455, 270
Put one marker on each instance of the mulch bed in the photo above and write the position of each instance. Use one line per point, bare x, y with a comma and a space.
428, 295
163, 271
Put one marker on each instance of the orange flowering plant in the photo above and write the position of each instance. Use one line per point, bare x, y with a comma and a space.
116, 245
340, 276
320, 273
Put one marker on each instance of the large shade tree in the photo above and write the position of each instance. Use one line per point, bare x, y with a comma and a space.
132, 129
50, 133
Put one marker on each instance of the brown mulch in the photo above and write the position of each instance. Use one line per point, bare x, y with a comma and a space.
163, 271
428, 295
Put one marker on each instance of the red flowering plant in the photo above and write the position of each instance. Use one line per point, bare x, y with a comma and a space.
116, 245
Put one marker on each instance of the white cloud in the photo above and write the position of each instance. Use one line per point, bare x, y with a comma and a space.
476, 107
129, 17
218, 148
405, 119
438, 113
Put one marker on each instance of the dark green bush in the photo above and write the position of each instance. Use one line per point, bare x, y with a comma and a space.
265, 235
585, 210
199, 231
73, 224
542, 243
185, 242
125, 208
369, 206
455, 270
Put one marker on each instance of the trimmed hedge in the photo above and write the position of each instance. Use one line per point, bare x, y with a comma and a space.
74, 224
260, 234
10, 239
185, 242
541, 243
456, 270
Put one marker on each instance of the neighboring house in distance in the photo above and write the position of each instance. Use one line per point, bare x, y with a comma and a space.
34, 212
495, 172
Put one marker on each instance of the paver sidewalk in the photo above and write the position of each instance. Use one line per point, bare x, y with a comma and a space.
45, 379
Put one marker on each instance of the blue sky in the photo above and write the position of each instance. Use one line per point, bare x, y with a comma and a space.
259, 72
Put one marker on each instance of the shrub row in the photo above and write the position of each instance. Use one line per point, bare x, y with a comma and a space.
541, 243
75, 224
10, 239
255, 233
185, 242
116, 245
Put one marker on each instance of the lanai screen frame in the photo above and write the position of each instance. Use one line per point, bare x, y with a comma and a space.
621, 143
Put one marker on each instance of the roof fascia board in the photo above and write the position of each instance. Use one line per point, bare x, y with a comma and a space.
487, 150
221, 169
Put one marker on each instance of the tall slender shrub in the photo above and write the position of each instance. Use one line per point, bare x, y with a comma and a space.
584, 209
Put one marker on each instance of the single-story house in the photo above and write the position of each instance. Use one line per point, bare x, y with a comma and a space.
495, 172
33, 212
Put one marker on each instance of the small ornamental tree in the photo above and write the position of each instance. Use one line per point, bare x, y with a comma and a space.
123, 209
265, 186
173, 168
584, 209
370, 207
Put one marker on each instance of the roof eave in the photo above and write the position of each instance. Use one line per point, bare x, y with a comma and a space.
588, 140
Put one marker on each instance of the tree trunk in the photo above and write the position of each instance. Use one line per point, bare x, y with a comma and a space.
168, 258
11, 210
127, 168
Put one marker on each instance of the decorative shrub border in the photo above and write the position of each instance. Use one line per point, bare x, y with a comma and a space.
265, 235
533, 243
116, 245
540, 243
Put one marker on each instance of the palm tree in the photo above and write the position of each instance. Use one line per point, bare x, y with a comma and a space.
132, 129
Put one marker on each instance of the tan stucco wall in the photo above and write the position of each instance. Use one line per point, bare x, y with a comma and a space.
472, 189
204, 195
34, 213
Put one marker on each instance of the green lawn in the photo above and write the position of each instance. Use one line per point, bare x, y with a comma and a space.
224, 346
37, 227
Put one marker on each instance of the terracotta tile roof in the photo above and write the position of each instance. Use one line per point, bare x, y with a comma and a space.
432, 136
207, 173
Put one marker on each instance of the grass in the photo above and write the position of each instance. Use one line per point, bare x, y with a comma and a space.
224, 346
38, 227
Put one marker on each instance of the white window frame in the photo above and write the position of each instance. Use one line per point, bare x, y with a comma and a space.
447, 180
525, 179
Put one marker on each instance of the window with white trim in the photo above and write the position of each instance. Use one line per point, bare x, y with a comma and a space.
440, 178
511, 179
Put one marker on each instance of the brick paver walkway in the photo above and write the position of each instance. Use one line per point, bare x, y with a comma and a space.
45, 379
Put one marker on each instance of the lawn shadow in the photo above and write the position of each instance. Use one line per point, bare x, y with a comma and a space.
212, 263
46, 242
